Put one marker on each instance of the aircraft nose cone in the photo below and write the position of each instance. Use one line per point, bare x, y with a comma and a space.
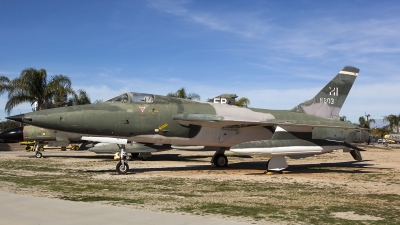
15, 134
17, 118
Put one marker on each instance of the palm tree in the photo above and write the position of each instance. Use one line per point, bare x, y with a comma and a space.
242, 102
364, 123
32, 86
381, 132
81, 99
394, 122
3, 84
181, 93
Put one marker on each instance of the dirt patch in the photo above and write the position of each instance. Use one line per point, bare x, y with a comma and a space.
353, 216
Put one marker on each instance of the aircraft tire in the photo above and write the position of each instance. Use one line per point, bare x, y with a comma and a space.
220, 160
38, 155
122, 169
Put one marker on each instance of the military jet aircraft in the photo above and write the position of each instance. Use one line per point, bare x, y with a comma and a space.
42, 136
312, 127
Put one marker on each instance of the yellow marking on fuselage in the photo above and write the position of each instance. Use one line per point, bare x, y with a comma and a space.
153, 111
163, 126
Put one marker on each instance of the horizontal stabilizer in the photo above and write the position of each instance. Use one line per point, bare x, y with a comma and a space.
356, 155
353, 147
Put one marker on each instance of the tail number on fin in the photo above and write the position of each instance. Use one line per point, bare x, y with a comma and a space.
334, 91
330, 101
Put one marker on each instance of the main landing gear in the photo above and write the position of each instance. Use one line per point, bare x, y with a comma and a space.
123, 167
219, 159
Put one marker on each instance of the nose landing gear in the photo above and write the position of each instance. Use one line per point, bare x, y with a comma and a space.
123, 167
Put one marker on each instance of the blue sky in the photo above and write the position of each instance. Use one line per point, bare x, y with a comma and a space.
276, 53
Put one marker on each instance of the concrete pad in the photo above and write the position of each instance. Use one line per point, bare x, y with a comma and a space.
20, 209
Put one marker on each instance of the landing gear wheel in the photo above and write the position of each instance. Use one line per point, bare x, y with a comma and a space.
38, 155
122, 169
220, 160
145, 158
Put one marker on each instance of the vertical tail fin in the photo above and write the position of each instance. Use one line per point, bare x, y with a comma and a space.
328, 102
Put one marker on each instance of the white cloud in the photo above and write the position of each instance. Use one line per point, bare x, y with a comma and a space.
232, 22
175, 7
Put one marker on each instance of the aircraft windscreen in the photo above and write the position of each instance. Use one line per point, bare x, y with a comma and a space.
143, 98
119, 99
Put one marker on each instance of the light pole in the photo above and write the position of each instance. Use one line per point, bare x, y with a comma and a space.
367, 115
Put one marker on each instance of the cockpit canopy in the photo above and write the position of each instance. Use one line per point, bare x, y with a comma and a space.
132, 97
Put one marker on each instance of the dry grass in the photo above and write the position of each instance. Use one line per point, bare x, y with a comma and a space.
327, 189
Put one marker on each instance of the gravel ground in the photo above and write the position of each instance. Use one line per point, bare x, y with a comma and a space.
329, 188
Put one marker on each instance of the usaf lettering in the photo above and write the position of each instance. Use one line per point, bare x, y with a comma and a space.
220, 100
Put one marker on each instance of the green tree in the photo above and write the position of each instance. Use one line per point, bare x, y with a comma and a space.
32, 86
181, 93
81, 98
364, 123
394, 122
3, 84
8, 124
381, 132
242, 102
344, 119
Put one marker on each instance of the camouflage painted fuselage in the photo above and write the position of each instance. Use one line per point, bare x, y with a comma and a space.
33, 133
161, 120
